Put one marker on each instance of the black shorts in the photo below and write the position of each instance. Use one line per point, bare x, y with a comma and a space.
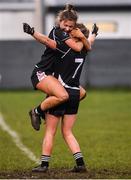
69, 107
37, 76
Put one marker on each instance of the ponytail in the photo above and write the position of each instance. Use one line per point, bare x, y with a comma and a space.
69, 7
68, 13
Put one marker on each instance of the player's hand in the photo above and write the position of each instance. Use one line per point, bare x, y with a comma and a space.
27, 29
95, 29
77, 33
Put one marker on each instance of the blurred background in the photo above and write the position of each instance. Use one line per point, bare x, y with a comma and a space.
108, 64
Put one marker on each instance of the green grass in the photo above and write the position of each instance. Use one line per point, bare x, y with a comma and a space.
103, 129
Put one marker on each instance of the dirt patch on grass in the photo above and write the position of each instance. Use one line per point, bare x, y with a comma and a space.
65, 174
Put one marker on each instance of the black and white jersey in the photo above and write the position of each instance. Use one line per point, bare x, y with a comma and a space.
69, 63
68, 68
51, 55
65, 63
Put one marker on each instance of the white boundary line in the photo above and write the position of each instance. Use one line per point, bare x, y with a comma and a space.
16, 139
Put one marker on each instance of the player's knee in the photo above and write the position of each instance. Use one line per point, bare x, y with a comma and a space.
51, 133
83, 95
63, 97
65, 132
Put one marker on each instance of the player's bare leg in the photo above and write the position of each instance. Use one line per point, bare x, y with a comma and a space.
66, 128
50, 131
83, 93
47, 145
51, 86
57, 95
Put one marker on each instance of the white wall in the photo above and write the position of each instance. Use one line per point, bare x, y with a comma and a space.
11, 24
12, 16
121, 21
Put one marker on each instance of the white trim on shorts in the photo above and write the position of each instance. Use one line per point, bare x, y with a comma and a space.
65, 85
40, 75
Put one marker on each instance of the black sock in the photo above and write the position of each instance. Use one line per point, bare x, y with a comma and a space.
79, 159
39, 111
45, 160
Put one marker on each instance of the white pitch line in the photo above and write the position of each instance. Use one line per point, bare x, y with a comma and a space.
17, 141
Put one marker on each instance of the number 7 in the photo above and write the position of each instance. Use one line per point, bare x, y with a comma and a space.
80, 61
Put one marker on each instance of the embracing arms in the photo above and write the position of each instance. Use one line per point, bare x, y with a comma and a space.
50, 42
76, 46
87, 42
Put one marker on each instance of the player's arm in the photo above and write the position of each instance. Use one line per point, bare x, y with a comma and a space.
93, 34
76, 46
78, 34
91, 39
49, 42
44, 40
39, 37
62, 36
86, 42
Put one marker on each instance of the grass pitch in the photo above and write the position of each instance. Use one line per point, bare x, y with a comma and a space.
103, 129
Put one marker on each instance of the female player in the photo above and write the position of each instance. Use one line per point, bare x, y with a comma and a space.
68, 71
42, 78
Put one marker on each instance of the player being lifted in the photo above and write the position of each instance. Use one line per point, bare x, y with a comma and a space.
72, 61
42, 78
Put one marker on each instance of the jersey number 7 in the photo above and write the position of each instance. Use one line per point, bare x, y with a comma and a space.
79, 61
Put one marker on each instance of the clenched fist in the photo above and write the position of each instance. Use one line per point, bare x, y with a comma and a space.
95, 29
27, 29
